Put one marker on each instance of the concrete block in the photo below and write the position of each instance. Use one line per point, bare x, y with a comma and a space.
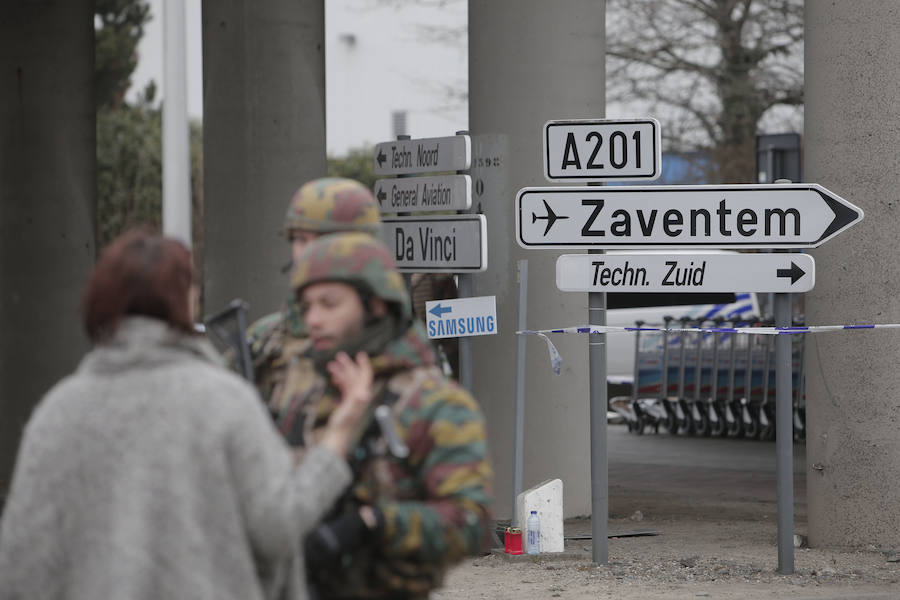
547, 499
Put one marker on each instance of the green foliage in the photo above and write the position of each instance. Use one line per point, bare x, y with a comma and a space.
359, 164
129, 136
119, 28
129, 169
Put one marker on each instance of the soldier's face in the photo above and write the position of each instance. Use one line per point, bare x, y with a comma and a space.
333, 313
300, 240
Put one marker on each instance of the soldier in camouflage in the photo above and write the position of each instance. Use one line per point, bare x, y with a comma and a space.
319, 207
414, 510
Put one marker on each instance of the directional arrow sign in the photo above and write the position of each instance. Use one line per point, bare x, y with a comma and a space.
413, 194
439, 310
462, 317
676, 272
800, 215
602, 150
424, 155
445, 244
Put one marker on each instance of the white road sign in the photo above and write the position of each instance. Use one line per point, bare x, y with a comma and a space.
445, 244
462, 317
413, 194
675, 272
424, 155
799, 215
602, 150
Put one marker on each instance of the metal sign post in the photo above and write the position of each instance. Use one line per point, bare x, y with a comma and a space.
455, 244
784, 439
598, 409
779, 215
519, 417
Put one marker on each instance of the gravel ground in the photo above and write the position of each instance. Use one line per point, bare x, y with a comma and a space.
713, 504
690, 558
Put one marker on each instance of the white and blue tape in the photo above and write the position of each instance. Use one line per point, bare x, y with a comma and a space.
556, 358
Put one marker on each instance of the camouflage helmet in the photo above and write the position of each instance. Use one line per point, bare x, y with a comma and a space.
354, 258
333, 204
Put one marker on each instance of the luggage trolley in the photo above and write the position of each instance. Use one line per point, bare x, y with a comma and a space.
643, 408
708, 383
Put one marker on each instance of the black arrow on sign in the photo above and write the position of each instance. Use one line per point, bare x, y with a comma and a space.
794, 272
843, 215
381, 158
381, 196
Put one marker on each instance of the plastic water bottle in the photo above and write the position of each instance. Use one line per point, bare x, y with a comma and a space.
533, 529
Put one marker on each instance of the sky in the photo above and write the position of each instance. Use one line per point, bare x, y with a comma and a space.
364, 39
150, 57
381, 59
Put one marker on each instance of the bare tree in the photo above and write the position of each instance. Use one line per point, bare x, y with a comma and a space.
712, 68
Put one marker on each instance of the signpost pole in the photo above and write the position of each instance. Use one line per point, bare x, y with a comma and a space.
465, 344
519, 417
784, 436
599, 467
407, 277
598, 409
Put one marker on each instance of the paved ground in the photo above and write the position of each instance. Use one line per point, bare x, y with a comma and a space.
713, 504
683, 475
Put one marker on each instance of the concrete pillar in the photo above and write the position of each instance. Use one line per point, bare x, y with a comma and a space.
531, 61
264, 135
853, 405
47, 207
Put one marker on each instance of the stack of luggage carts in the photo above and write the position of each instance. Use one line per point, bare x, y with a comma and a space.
709, 384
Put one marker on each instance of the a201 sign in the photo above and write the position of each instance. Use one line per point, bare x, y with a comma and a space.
602, 150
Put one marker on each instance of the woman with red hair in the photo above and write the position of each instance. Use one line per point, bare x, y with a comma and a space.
153, 472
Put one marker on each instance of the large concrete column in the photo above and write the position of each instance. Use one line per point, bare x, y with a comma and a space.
853, 382
531, 61
264, 135
47, 140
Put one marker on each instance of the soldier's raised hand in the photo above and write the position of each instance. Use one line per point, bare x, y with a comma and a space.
353, 379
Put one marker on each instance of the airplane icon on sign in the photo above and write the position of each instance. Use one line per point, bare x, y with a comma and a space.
550, 217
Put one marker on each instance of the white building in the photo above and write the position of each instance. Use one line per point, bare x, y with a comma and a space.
386, 61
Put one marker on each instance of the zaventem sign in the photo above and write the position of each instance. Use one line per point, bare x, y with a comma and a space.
802, 215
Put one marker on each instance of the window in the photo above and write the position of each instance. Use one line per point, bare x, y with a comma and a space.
640, 300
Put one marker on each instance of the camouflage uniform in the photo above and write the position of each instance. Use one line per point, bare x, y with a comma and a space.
434, 501
278, 339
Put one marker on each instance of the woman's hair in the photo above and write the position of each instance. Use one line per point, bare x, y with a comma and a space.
139, 273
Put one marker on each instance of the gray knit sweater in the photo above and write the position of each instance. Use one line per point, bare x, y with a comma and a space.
152, 472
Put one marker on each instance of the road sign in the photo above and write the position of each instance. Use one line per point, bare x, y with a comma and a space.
445, 244
675, 272
462, 317
424, 155
411, 194
602, 150
799, 215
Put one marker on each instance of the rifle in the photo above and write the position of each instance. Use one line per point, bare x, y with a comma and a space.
228, 330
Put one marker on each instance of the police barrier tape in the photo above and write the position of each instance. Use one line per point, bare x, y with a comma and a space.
556, 358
